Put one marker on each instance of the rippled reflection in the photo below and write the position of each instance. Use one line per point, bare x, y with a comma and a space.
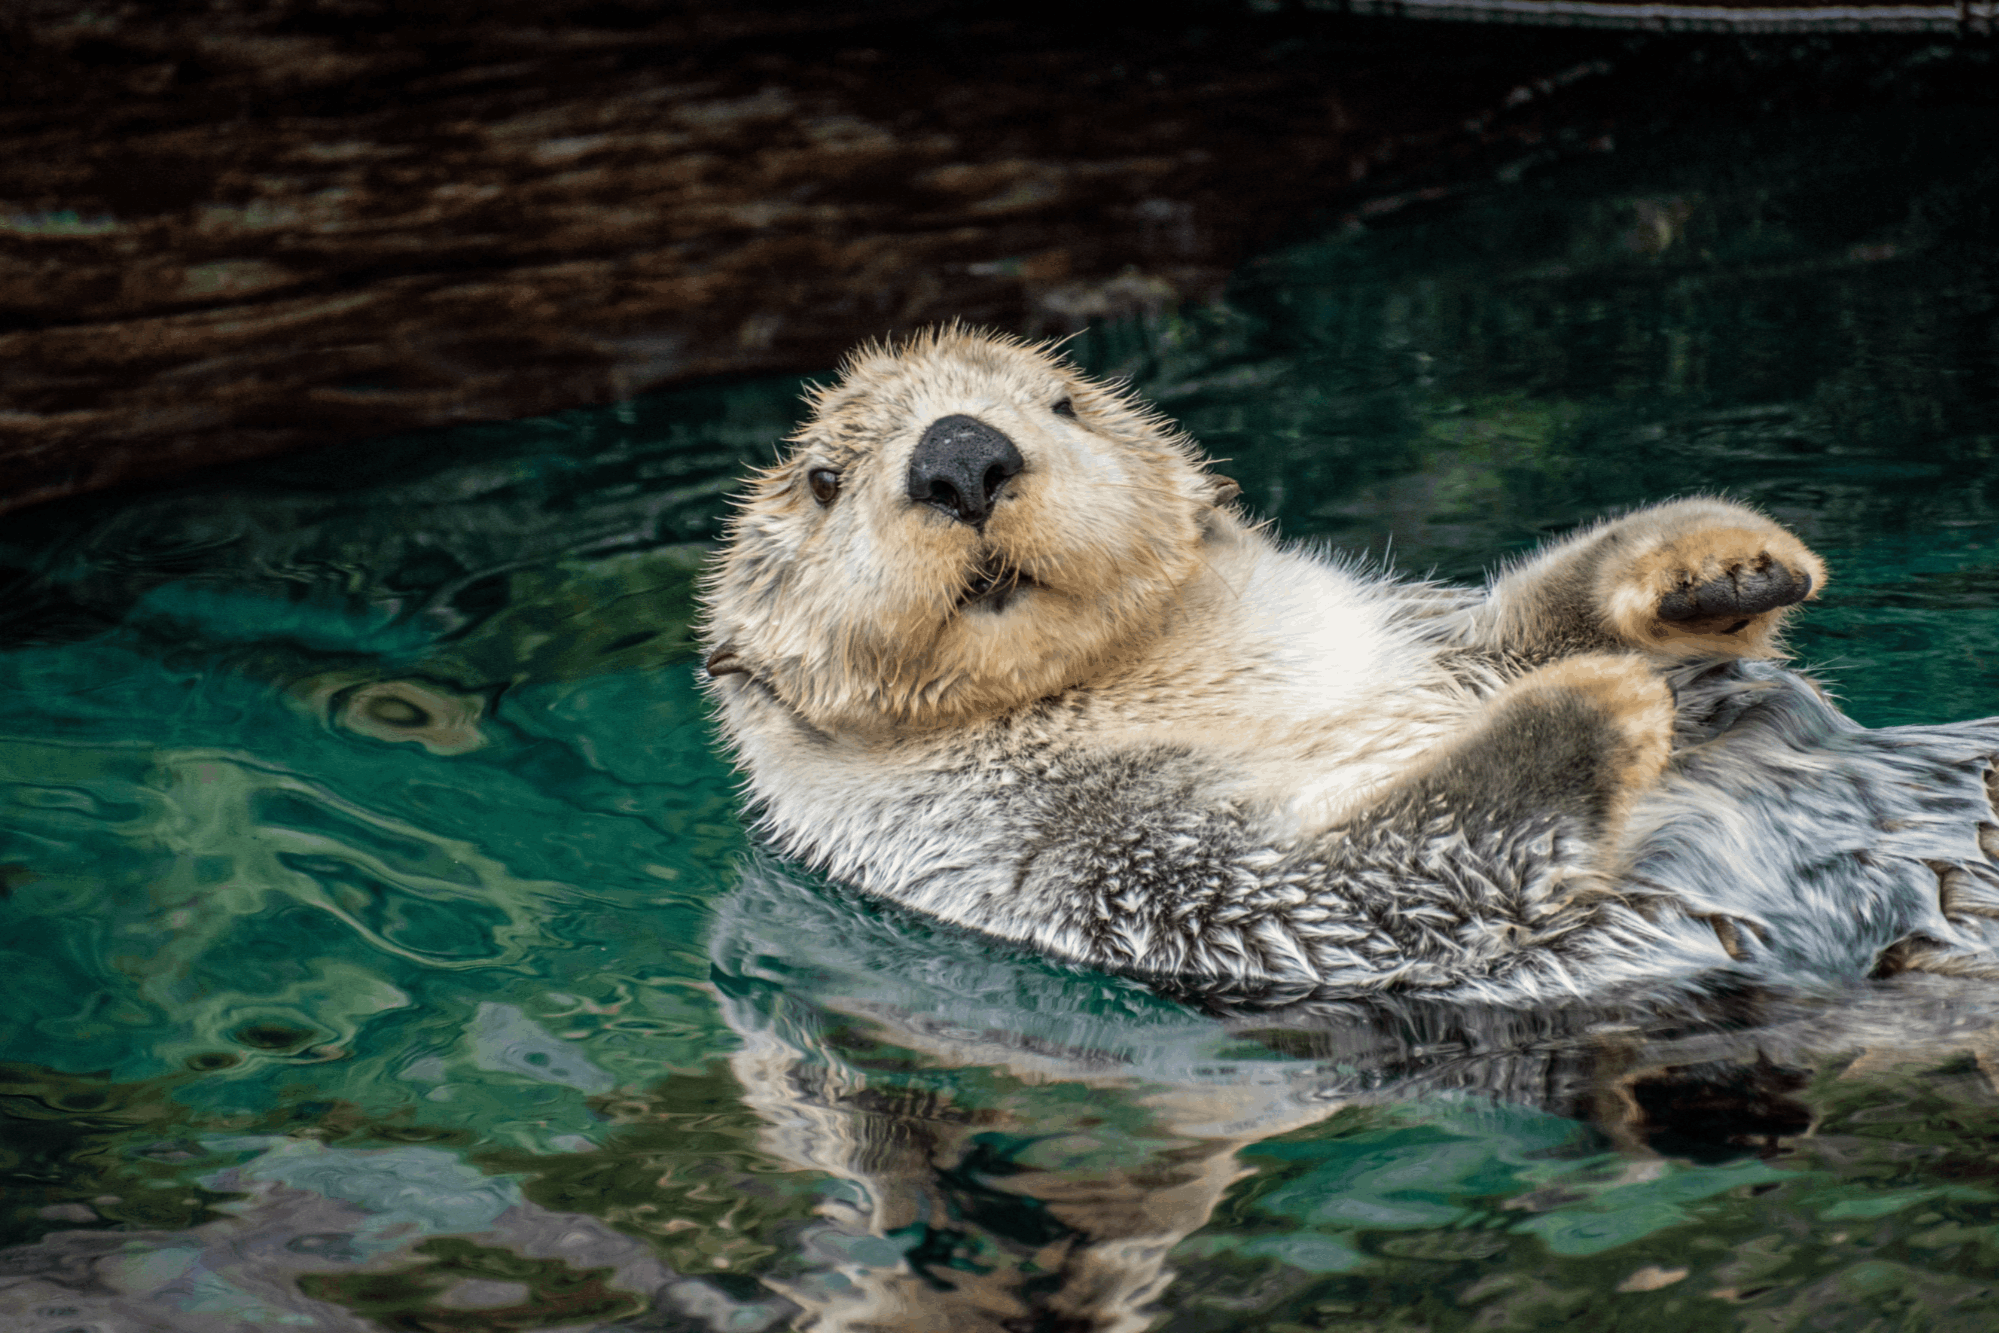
382, 948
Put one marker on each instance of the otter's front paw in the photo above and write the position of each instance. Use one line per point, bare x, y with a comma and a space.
1720, 588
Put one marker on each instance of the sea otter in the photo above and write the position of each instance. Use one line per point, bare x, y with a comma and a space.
993, 642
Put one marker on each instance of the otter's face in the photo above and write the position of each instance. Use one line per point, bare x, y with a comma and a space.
965, 525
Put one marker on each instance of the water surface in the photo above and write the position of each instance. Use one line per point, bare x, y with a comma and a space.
384, 950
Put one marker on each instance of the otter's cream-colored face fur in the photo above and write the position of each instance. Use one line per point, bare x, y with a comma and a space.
861, 606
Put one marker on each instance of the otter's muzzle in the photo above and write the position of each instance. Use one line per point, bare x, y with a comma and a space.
960, 465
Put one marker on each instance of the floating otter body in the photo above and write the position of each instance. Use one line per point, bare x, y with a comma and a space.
993, 643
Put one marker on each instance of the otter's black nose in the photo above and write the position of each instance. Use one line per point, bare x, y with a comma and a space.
959, 466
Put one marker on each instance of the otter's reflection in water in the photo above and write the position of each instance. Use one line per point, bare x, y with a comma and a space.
1013, 1146
1014, 1142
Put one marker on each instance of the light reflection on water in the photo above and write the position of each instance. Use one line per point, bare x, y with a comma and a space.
384, 951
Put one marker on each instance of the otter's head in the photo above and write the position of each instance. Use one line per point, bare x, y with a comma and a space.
966, 524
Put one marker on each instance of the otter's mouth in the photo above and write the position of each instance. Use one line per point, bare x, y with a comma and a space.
994, 585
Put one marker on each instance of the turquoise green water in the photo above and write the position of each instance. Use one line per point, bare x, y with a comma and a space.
383, 948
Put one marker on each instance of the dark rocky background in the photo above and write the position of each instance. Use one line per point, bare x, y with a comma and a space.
229, 229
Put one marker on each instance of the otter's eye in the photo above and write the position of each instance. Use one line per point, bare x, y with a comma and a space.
1064, 408
825, 484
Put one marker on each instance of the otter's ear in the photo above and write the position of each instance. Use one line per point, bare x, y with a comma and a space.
1221, 490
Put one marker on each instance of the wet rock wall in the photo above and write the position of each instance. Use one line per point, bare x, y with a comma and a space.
242, 226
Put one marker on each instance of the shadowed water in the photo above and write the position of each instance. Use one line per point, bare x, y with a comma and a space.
383, 949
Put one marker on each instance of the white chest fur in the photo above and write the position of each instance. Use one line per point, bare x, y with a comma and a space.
1307, 678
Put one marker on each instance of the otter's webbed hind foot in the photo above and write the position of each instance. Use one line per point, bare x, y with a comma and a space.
1835, 850
1967, 894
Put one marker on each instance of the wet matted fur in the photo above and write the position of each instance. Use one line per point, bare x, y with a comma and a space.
1062, 692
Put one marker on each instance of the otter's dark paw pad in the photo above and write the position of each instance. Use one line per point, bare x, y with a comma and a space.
1705, 577
1740, 592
